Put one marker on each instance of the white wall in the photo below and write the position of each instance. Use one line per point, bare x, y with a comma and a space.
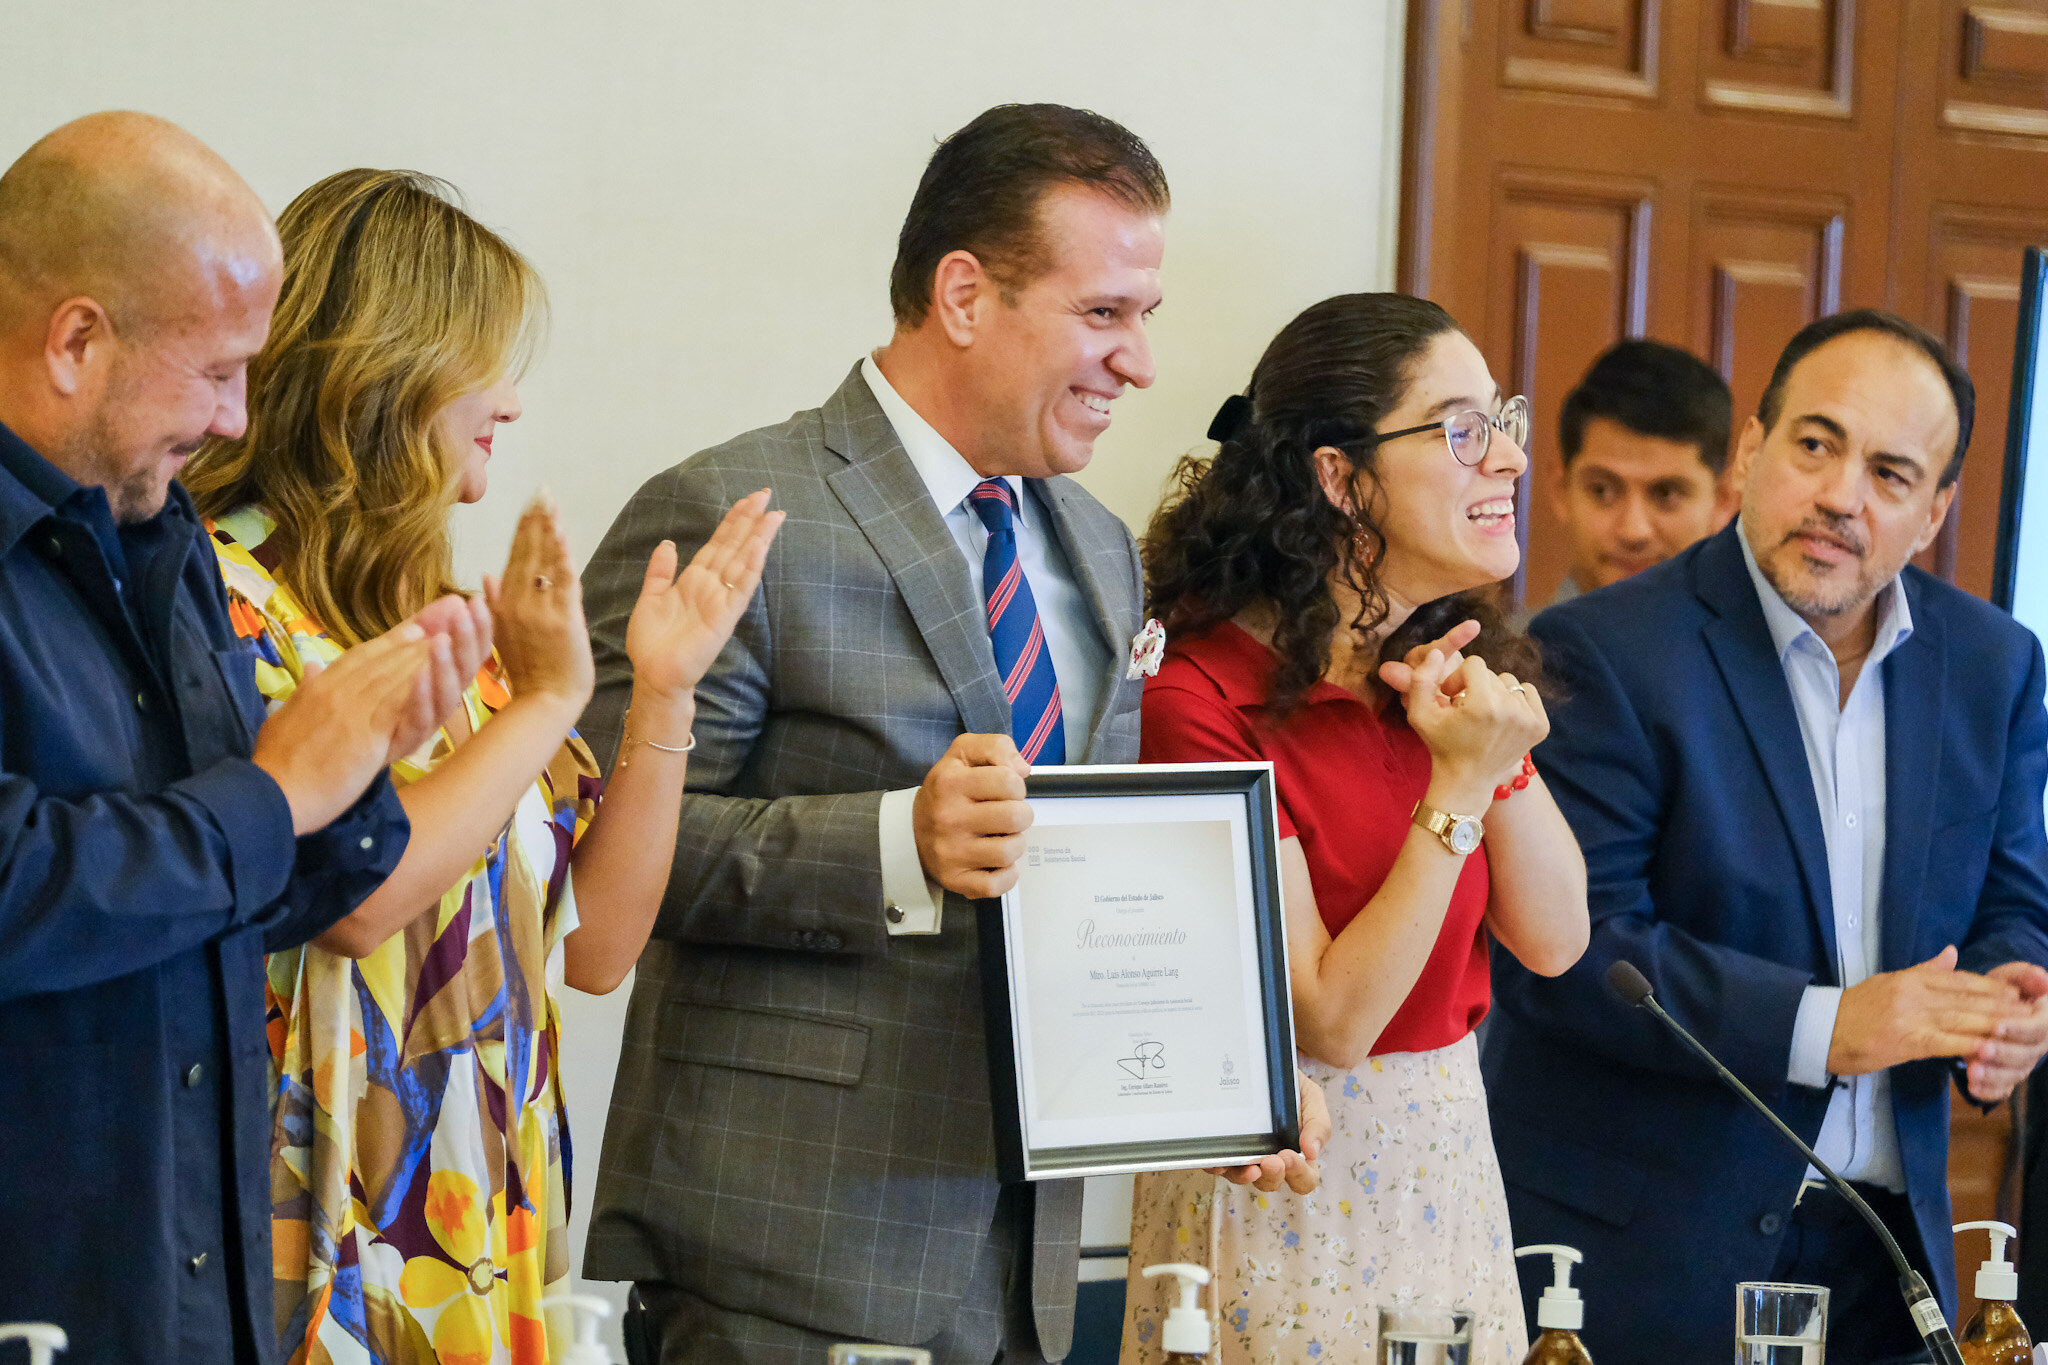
713, 192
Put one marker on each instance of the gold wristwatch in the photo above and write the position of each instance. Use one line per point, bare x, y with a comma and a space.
1460, 833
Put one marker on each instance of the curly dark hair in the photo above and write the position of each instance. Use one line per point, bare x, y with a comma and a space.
1251, 526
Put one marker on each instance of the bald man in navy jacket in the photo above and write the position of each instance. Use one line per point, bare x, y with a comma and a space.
1808, 780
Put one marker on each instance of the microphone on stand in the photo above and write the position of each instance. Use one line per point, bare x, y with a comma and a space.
1634, 988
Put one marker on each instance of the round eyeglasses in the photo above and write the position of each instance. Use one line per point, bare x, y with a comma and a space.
1468, 433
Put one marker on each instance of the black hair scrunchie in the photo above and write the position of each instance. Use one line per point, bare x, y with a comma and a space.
1230, 418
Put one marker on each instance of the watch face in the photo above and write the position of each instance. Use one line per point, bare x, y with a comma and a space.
1464, 834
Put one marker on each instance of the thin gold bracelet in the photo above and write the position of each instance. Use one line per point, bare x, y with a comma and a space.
627, 743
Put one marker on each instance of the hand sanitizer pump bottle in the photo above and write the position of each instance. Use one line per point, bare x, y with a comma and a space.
1187, 1338
585, 1313
1995, 1336
1559, 1312
44, 1339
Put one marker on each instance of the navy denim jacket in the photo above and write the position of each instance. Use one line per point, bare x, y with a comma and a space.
146, 866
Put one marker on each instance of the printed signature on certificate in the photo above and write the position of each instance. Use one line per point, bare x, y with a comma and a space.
1144, 1057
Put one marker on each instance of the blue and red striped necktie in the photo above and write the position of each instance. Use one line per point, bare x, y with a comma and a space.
1022, 659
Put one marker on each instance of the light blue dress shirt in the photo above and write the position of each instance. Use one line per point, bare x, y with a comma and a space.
1845, 753
1081, 658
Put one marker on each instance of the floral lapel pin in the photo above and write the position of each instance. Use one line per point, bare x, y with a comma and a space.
1148, 647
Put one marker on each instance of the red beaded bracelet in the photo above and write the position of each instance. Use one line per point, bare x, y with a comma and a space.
1507, 789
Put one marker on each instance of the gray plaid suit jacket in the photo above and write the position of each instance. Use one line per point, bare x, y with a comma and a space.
800, 1128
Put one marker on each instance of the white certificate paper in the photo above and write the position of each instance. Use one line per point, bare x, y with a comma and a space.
1135, 972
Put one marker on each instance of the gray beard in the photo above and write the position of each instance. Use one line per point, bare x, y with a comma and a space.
132, 494
1854, 597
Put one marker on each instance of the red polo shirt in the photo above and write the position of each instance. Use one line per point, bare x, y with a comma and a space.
1348, 780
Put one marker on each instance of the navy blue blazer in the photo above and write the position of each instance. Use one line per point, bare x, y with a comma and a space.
1677, 759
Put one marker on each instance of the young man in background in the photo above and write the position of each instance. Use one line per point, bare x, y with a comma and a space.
1645, 473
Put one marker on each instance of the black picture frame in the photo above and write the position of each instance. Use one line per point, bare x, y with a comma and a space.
1016, 1158
2019, 420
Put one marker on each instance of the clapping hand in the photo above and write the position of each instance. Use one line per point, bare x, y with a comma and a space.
682, 620
1991, 1022
349, 721
538, 609
463, 630
2010, 1057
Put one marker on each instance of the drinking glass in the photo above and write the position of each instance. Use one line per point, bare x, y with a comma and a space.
1411, 1334
1780, 1324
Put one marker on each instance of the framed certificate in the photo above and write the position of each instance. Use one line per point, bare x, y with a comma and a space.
1135, 979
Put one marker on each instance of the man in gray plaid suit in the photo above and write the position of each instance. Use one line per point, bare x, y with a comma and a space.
799, 1149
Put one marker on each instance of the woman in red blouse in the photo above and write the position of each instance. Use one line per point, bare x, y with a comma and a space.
1323, 584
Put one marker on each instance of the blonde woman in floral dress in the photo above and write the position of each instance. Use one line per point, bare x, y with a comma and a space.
420, 1152
1317, 580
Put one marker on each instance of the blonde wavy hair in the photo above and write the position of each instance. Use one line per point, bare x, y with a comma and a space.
395, 303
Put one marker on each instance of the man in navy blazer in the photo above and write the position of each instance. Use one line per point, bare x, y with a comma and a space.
1808, 781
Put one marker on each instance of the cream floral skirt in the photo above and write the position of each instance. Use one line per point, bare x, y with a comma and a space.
1411, 1211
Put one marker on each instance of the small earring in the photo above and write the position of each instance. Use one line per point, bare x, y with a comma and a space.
1364, 548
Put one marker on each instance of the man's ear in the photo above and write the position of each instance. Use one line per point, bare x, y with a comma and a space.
961, 290
78, 341
1936, 515
1736, 477
1727, 495
1556, 490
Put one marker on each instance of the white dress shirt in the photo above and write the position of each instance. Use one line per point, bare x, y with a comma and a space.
1080, 656
1845, 753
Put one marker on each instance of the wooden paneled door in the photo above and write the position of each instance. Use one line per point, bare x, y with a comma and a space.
1579, 171
1972, 193
1716, 173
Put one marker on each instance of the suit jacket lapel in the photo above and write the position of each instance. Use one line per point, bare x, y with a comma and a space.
1740, 642
881, 491
1104, 574
1915, 678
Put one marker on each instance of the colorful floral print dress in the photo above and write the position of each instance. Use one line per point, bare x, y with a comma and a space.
419, 1149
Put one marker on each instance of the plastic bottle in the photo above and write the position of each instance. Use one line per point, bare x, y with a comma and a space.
1559, 1312
44, 1339
1995, 1336
586, 1312
1187, 1338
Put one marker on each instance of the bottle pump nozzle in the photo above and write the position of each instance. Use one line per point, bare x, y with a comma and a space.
585, 1313
1187, 1326
44, 1339
1996, 1278
1560, 1305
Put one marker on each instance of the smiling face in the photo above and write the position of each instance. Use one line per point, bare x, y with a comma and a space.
161, 394
1629, 501
1842, 490
1449, 527
1048, 359
141, 276
464, 430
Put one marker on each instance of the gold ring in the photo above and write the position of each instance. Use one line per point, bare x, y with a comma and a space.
723, 584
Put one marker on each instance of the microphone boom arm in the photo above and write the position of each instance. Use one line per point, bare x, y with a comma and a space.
1877, 1226
1631, 985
